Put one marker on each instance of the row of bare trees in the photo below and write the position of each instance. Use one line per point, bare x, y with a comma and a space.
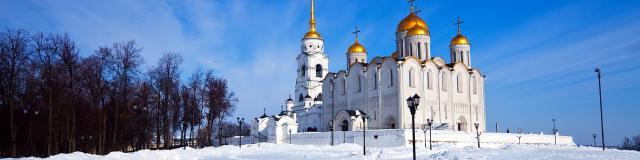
52, 100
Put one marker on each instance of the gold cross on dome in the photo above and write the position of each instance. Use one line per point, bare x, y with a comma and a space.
411, 5
458, 23
356, 32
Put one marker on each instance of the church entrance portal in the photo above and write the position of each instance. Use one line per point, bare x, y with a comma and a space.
345, 125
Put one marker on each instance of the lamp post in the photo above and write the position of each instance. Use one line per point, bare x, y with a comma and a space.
364, 129
601, 116
240, 122
430, 122
555, 132
424, 132
413, 103
519, 136
331, 128
594, 139
477, 133
289, 136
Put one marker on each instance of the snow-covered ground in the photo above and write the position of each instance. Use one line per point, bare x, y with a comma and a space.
353, 151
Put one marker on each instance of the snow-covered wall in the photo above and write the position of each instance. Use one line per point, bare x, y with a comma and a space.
400, 137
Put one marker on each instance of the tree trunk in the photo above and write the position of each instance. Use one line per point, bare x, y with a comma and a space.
50, 124
13, 130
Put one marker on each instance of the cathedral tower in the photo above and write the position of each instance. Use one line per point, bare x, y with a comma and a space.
413, 37
356, 52
460, 48
312, 64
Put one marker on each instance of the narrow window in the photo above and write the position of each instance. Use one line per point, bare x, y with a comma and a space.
390, 78
444, 82
303, 70
411, 81
375, 80
459, 83
359, 83
474, 84
300, 98
429, 80
319, 70
344, 87
419, 50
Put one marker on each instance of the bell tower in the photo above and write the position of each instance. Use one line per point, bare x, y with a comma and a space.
313, 65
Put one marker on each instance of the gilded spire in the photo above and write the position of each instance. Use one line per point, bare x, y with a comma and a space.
312, 26
312, 21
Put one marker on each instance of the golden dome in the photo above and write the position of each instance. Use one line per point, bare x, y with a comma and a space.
411, 20
356, 48
312, 34
459, 39
417, 30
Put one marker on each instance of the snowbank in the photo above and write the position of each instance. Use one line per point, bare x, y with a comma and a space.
354, 151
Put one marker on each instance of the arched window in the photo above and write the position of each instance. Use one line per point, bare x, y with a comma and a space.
429, 80
375, 80
411, 76
359, 80
303, 70
319, 70
419, 50
300, 98
474, 84
344, 86
459, 83
444, 82
390, 77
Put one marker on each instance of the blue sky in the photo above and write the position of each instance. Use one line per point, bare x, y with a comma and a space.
538, 55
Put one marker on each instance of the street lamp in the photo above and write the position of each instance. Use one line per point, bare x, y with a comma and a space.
240, 121
477, 133
601, 116
594, 139
413, 103
519, 136
331, 128
364, 129
555, 132
429, 123
289, 136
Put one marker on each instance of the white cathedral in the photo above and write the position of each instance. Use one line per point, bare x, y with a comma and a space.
452, 92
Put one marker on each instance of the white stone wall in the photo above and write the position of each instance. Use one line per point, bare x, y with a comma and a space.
451, 93
402, 137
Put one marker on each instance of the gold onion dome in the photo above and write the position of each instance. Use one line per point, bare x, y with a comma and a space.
417, 30
312, 34
412, 20
459, 39
356, 47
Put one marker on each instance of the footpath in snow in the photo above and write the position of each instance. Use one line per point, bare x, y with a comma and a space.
353, 151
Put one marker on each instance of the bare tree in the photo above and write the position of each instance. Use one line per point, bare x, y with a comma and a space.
125, 61
165, 78
219, 100
13, 62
